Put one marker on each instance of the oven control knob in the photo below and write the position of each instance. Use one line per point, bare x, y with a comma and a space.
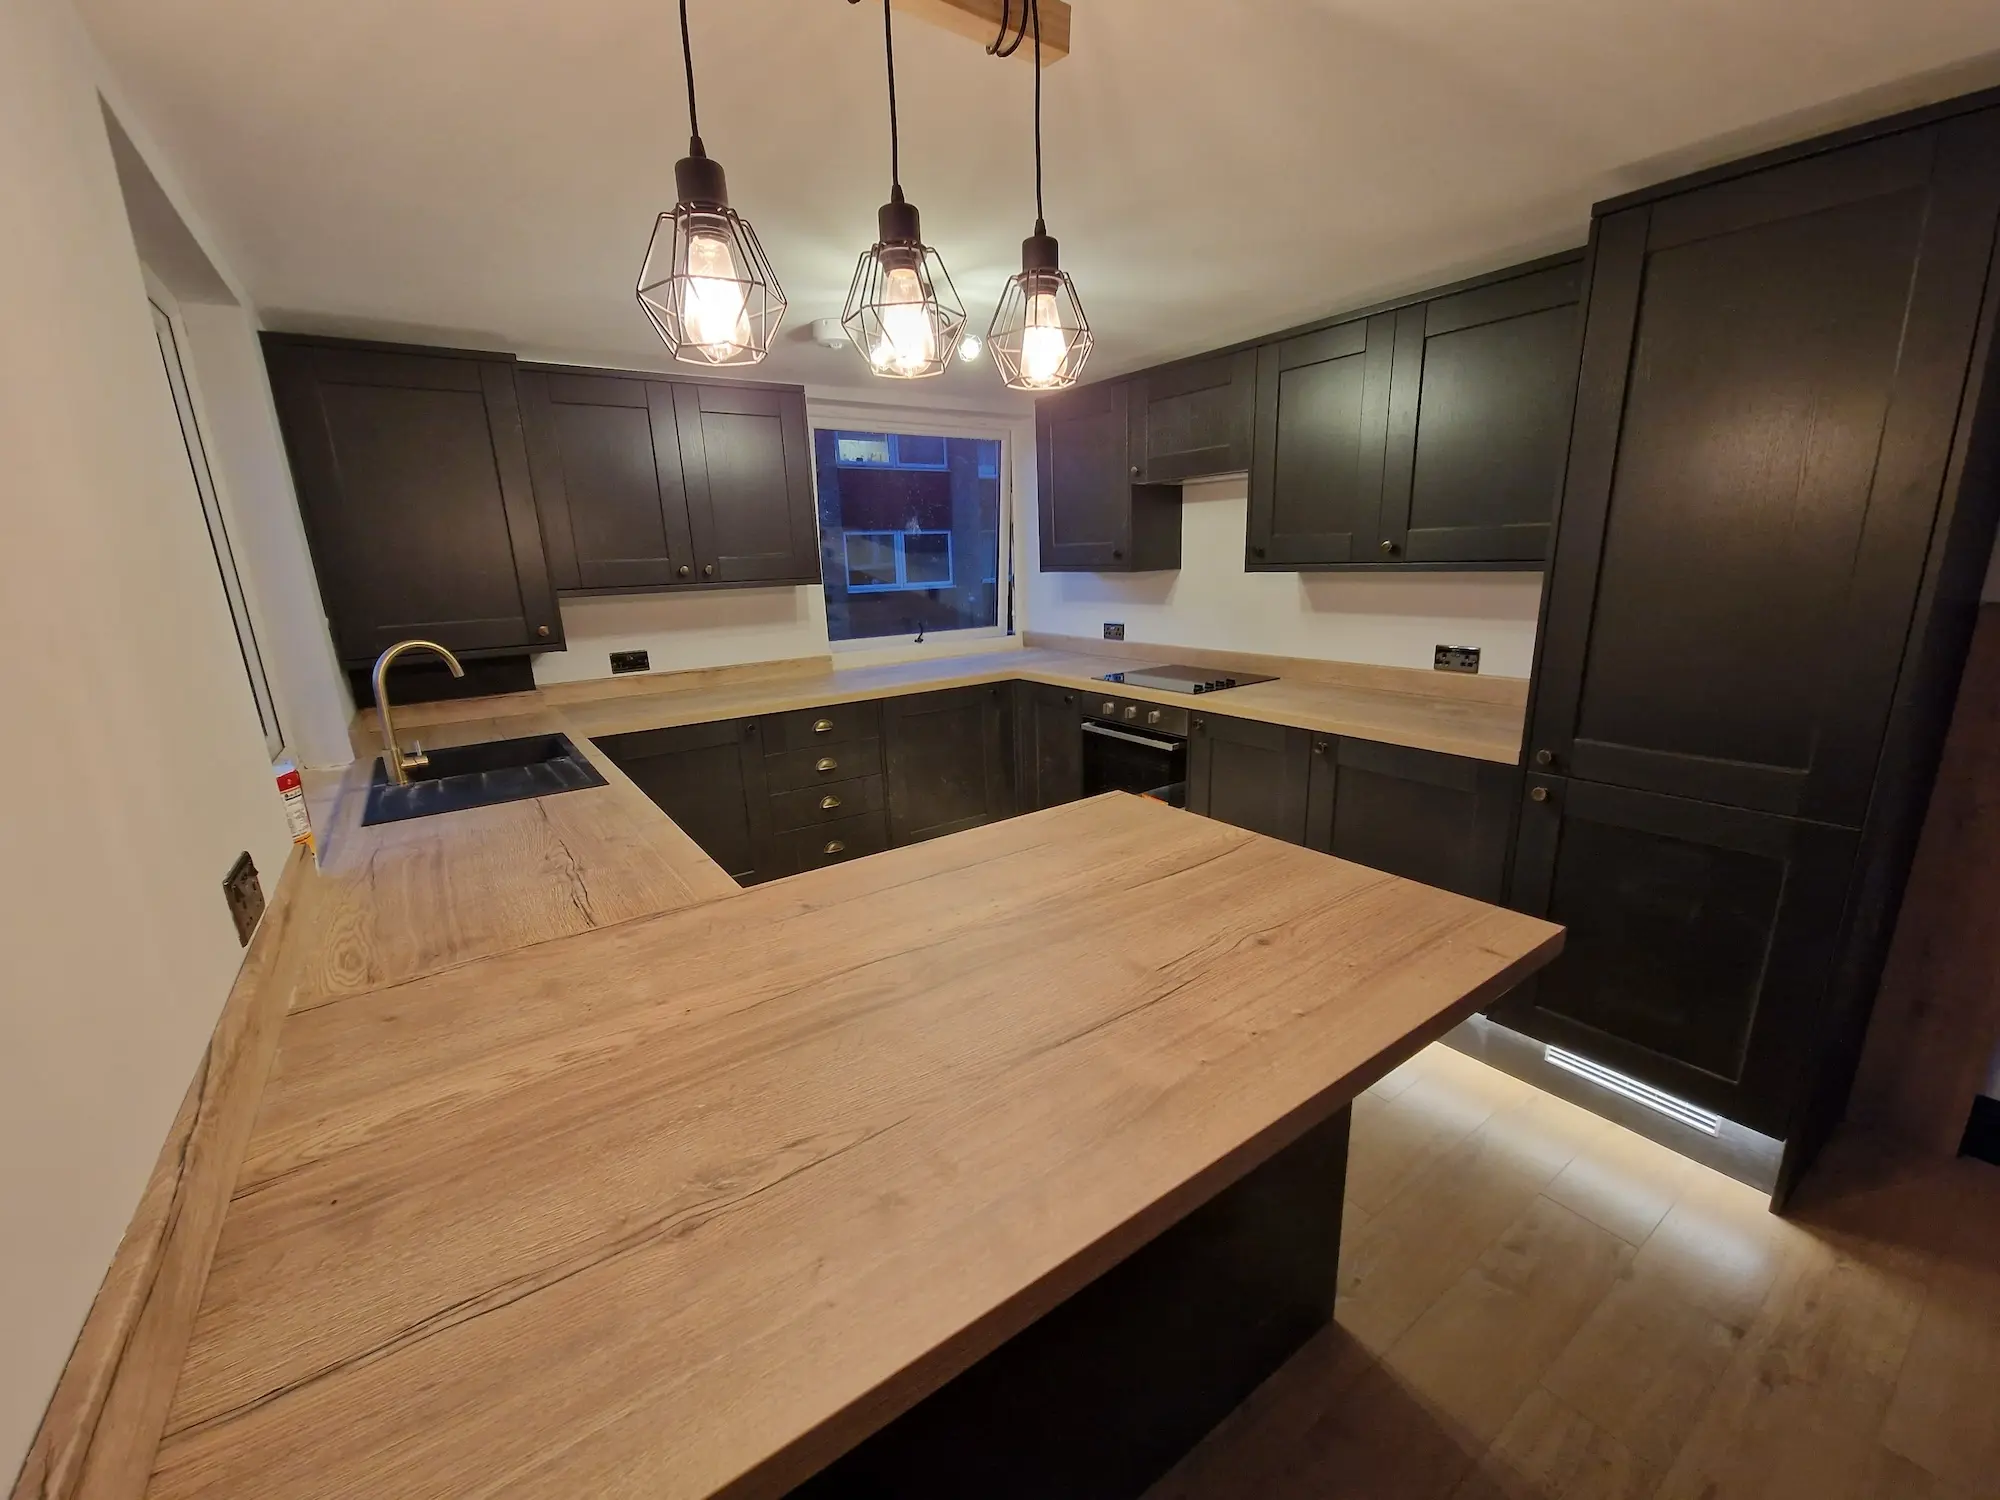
1131, 710
1153, 716
1109, 707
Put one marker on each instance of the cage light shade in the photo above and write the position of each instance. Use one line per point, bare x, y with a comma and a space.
707, 285
903, 313
1039, 337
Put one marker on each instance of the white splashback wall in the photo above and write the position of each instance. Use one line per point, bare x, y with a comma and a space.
1211, 602
683, 631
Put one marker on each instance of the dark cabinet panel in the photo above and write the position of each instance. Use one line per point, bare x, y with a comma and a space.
1251, 774
818, 765
810, 806
606, 457
949, 758
1193, 419
1699, 939
1442, 819
836, 724
748, 463
1322, 423
833, 843
1048, 757
1772, 372
1479, 412
1093, 514
412, 476
709, 778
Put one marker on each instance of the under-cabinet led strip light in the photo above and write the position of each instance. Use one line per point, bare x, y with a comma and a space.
1639, 1093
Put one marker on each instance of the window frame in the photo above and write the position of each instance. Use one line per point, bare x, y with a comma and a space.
1013, 434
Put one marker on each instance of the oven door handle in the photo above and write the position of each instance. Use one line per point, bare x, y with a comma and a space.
1151, 742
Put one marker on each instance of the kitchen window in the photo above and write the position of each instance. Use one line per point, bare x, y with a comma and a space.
913, 530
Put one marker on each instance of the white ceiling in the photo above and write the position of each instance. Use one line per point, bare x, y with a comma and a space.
488, 171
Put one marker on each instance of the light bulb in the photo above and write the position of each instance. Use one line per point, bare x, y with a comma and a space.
1044, 341
908, 345
714, 305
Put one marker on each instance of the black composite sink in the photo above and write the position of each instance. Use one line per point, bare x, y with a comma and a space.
463, 776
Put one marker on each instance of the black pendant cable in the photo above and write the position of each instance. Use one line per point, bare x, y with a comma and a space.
902, 313
1039, 335
706, 283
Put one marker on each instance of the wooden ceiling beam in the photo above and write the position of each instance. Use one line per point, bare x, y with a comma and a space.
980, 21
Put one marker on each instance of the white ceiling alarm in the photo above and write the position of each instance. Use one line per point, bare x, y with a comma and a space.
828, 333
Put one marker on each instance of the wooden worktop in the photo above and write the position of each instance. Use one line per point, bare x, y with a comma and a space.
687, 1205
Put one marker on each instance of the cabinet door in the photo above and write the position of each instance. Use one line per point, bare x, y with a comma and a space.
1251, 774
1479, 409
607, 466
1442, 819
1699, 940
1093, 514
1194, 419
709, 778
950, 761
1772, 372
1322, 426
748, 464
1048, 756
412, 475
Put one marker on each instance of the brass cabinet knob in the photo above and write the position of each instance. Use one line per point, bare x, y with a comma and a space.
1319, 747
826, 763
1545, 757
685, 570
1117, 553
822, 726
1388, 546
541, 630
708, 570
1135, 471
828, 803
1538, 794
1256, 551
834, 846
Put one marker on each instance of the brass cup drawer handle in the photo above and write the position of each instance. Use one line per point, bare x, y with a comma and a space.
834, 846
822, 726
826, 763
828, 803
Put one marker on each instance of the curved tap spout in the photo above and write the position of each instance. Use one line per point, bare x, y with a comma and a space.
394, 760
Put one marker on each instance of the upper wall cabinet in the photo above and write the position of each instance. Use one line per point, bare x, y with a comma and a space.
412, 475
1095, 515
1191, 420
648, 483
1430, 435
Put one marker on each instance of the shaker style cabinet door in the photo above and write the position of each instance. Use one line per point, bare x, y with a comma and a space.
1699, 940
1772, 372
1048, 725
1444, 820
1249, 773
1194, 419
607, 466
748, 463
1479, 412
1092, 512
412, 474
949, 760
709, 778
1322, 422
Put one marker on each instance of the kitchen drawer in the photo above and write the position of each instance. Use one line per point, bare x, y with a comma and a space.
815, 765
833, 843
839, 724
810, 806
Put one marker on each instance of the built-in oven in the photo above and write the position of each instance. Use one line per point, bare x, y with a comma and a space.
1135, 747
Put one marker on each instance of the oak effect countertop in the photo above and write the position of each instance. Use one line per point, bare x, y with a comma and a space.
687, 1205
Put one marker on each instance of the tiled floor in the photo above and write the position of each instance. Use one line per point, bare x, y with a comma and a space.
1536, 1303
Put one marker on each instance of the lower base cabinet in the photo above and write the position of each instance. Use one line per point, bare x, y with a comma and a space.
1249, 773
1700, 939
710, 779
949, 760
1445, 820
1048, 747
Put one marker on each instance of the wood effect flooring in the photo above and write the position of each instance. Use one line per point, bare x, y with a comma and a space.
1536, 1304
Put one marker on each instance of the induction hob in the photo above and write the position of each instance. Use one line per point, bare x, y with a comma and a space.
1179, 679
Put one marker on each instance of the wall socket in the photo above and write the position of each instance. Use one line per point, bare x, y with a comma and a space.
245, 894
630, 661
1114, 630
1456, 659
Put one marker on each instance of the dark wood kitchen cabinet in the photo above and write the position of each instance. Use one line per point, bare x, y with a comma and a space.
1250, 773
1048, 748
649, 483
949, 760
1699, 939
1094, 515
1445, 820
710, 779
413, 481
1480, 392
1193, 419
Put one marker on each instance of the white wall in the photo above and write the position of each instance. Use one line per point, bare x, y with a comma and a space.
1210, 601
134, 761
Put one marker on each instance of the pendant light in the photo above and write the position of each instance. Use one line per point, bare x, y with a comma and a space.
1039, 335
706, 283
902, 313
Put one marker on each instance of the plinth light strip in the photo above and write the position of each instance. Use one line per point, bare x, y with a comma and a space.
1631, 1088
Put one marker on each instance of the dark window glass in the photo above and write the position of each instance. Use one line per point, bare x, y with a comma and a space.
909, 532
